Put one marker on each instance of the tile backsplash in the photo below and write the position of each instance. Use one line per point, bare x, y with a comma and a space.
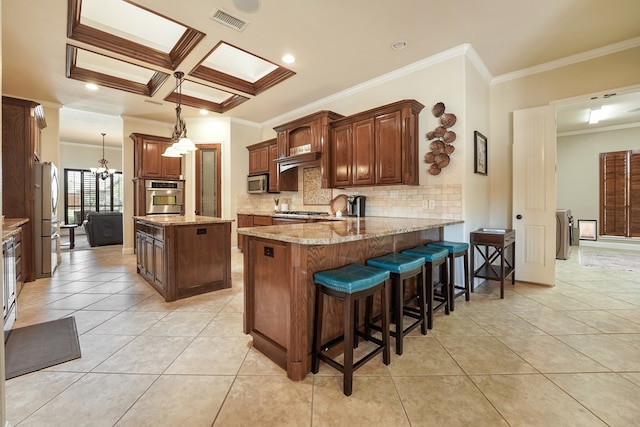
405, 201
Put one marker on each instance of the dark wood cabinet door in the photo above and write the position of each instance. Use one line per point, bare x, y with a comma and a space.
158, 258
171, 166
151, 165
243, 221
363, 153
258, 159
341, 147
388, 146
148, 159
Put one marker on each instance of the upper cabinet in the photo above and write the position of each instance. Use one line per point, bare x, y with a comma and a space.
376, 147
305, 141
148, 159
262, 158
259, 157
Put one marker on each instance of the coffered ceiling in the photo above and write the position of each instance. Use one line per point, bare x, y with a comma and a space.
50, 49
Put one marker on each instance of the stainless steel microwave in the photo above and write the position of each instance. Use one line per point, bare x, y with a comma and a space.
257, 184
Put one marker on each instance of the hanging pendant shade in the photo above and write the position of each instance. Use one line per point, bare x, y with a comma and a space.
181, 143
103, 171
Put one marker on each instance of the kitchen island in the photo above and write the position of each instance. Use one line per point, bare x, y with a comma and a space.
279, 262
182, 256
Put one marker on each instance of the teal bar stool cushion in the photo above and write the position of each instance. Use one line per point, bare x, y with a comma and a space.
429, 254
351, 278
397, 263
452, 247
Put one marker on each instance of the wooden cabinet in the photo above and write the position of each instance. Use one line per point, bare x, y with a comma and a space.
182, 260
262, 158
376, 147
310, 135
259, 158
150, 255
262, 220
148, 159
243, 221
22, 122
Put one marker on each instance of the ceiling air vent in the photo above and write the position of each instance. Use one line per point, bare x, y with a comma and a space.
224, 18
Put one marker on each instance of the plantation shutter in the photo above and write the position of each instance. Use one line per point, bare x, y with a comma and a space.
634, 194
613, 193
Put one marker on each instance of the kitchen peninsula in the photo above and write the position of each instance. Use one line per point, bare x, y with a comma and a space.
182, 256
279, 262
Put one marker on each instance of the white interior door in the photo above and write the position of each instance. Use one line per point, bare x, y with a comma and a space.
534, 194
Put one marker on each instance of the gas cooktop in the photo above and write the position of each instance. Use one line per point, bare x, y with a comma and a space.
303, 213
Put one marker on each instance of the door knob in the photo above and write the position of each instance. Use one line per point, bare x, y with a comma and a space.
518, 216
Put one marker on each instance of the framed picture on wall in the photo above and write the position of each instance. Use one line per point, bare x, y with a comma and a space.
587, 229
480, 153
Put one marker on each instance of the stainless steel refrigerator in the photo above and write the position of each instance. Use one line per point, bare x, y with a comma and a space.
45, 224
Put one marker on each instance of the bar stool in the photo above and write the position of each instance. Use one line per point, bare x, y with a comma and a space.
456, 249
350, 284
434, 258
403, 267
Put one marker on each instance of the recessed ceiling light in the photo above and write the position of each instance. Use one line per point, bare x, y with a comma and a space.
398, 45
288, 59
91, 86
204, 112
247, 6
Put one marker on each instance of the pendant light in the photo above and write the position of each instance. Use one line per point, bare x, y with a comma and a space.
181, 143
103, 171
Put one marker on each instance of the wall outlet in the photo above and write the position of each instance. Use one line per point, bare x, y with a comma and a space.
429, 204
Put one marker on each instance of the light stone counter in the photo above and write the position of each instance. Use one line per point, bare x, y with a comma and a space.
11, 226
171, 220
345, 229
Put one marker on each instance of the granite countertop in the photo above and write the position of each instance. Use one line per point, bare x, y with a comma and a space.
169, 220
11, 226
327, 217
348, 229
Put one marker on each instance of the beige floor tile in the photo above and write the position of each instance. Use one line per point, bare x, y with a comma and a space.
117, 302
105, 398
455, 324
25, 394
76, 301
180, 324
556, 323
212, 356
600, 301
225, 324
423, 356
177, 400
548, 354
484, 355
502, 323
145, 355
87, 320
129, 323
611, 397
267, 401
95, 349
607, 350
632, 315
235, 304
631, 339
374, 402
104, 288
33, 316
156, 303
604, 321
256, 363
445, 401
533, 400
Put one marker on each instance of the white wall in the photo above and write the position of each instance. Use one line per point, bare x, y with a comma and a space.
578, 176
618, 70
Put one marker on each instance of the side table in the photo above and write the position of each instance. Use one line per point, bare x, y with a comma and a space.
492, 244
72, 234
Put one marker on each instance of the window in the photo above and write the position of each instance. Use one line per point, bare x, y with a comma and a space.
620, 193
83, 193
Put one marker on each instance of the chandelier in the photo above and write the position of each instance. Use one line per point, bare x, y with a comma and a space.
181, 143
103, 172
